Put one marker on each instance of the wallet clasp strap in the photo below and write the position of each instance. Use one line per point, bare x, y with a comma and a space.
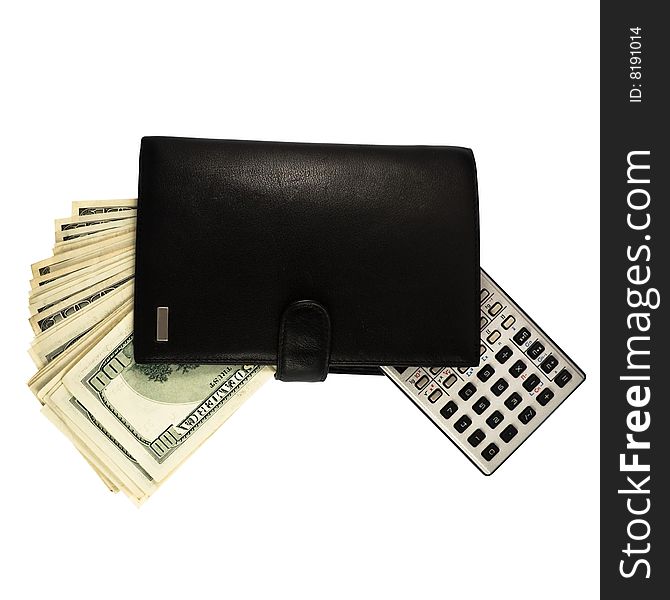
304, 342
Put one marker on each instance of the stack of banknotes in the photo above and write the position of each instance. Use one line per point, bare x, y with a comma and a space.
134, 424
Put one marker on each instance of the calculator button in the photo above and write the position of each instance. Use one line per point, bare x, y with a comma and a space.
435, 370
495, 309
476, 438
481, 405
494, 419
535, 350
563, 377
401, 370
517, 368
486, 372
544, 396
482, 349
504, 354
484, 294
549, 364
522, 336
463, 423
421, 383
499, 386
467, 391
531, 382
494, 337
508, 322
513, 401
526, 415
490, 451
449, 381
508, 433
435, 396
463, 370
482, 322
448, 409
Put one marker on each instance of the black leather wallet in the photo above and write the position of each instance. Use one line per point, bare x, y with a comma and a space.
311, 257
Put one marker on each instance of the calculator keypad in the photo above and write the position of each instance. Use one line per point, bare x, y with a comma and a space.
490, 409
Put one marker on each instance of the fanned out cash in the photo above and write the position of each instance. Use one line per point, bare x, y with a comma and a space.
134, 424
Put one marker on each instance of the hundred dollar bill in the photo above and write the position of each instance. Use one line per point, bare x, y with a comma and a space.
89, 241
78, 263
44, 319
69, 231
54, 340
108, 458
82, 208
69, 280
159, 413
48, 377
45, 297
77, 222
77, 255
122, 466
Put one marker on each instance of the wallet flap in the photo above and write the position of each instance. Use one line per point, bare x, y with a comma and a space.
304, 342
231, 233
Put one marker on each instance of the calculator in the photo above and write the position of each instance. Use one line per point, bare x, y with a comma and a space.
489, 410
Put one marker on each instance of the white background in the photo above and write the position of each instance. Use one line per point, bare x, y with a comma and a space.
340, 489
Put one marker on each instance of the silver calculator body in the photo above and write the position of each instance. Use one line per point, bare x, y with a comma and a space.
489, 410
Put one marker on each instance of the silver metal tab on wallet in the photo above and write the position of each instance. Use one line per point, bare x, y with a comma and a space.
162, 324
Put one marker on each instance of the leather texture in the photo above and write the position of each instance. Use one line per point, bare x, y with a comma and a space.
231, 233
304, 342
